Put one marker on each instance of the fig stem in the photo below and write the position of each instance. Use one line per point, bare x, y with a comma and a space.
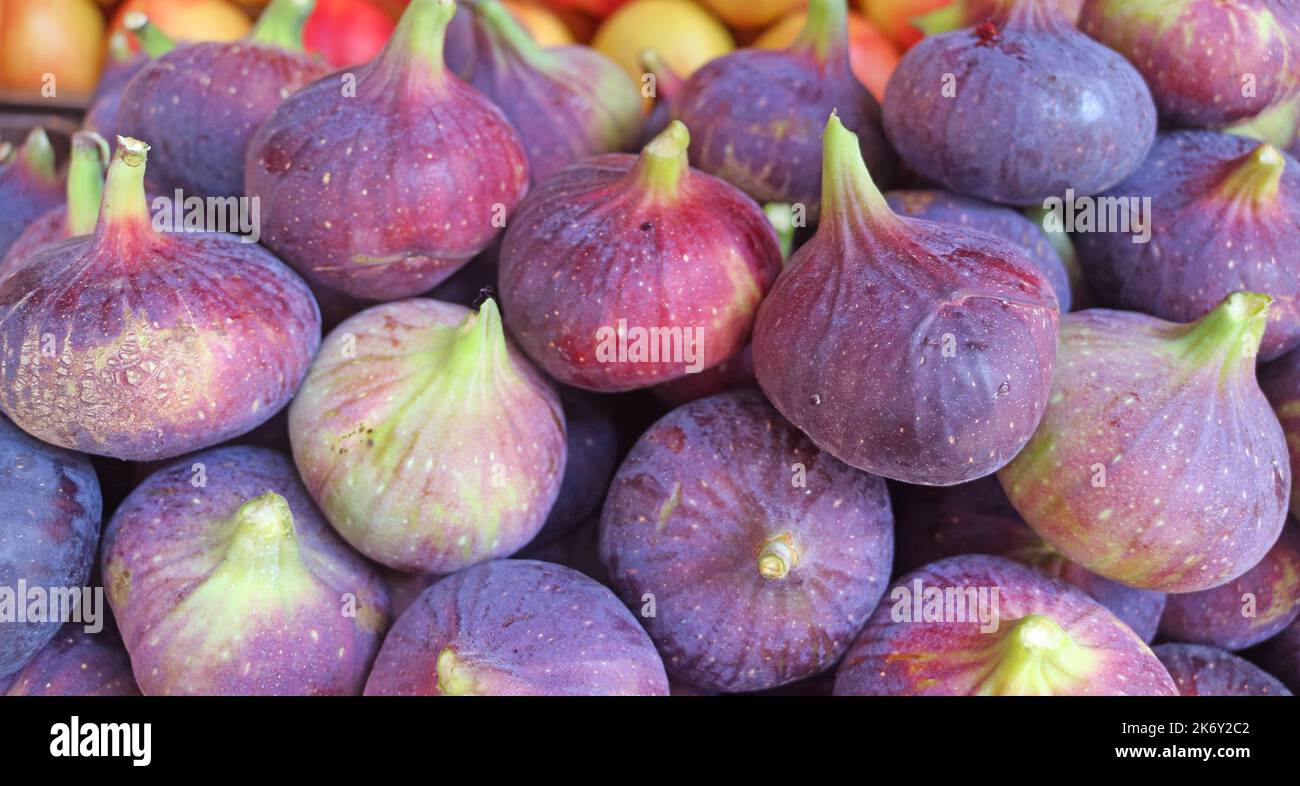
90, 155
777, 557
1229, 334
454, 678
1257, 177
281, 24
154, 42
263, 538
124, 209
663, 162
847, 188
501, 27
826, 31
421, 33
480, 341
1034, 653
38, 155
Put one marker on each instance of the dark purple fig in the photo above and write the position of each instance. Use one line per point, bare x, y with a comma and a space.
1205, 671
1280, 381
592, 453
1223, 215
1208, 62
578, 549
144, 345
78, 216
429, 441
49, 528
625, 271
1280, 656
460, 49
758, 555
121, 65
976, 518
382, 181
1158, 462
225, 580
473, 282
29, 186
757, 114
77, 663
919, 351
734, 373
517, 628
1046, 219
667, 87
1019, 108
987, 626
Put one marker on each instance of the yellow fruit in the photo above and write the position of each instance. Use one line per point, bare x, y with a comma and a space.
750, 14
40, 39
685, 35
542, 24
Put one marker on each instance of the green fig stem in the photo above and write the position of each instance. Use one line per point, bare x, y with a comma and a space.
778, 557
1257, 176
1229, 335
38, 155
479, 345
454, 677
663, 162
1278, 125
124, 210
502, 28
781, 216
119, 48
826, 31
848, 192
153, 42
420, 37
264, 538
1031, 656
90, 156
667, 82
281, 24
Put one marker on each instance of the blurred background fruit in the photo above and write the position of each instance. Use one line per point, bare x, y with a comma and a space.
894, 17
871, 54
546, 28
685, 35
43, 38
189, 20
752, 13
347, 32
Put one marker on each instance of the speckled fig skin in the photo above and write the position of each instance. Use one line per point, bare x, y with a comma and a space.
918, 351
592, 453
1205, 671
734, 373
642, 239
163, 343
77, 663
385, 193
1224, 217
1195, 53
976, 518
1280, 381
1247, 610
517, 628
79, 214
568, 103
1019, 109
236, 585
1158, 462
429, 441
1050, 639
949, 208
764, 554
757, 114
49, 528
29, 186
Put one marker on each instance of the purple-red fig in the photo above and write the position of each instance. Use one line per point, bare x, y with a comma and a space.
734, 373
85, 190
1198, 670
29, 186
77, 663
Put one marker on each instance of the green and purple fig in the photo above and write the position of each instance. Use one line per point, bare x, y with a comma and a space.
78, 216
29, 186
1198, 670
76, 663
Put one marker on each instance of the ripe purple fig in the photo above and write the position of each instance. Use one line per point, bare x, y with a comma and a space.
919, 351
1019, 109
1158, 462
429, 441
734, 373
225, 580
144, 345
1223, 216
78, 216
1205, 671
76, 663
592, 454
121, 65
762, 554
517, 628
29, 186
1280, 381
757, 114
384, 180
625, 271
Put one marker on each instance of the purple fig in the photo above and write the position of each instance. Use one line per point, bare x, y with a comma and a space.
29, 186
85, 189
1280, 656
579, 548
757, 114
144, 345
592, 454
625, 271
1019, 108
1280, 381
1158, 462
986, 626
517, 628
1224, 216
428, 440
734, 373
225, 580
761, 555
77, 663
1205, 671
384, 180
918, 351
667, 88
122, 64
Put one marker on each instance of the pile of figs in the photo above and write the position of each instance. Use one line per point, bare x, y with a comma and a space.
482, 369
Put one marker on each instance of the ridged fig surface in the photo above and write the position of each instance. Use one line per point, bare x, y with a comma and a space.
77, 663
1198, 670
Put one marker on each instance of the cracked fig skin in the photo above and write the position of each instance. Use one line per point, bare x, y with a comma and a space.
1158, 462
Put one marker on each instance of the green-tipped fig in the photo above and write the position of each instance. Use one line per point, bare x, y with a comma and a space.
29, 186
85, 189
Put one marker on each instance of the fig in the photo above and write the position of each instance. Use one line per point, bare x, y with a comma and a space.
1278, 125
1223, 216
29, 186
977, 518
225, 580
667, 87
428, 440
121, 65
979, 625
579, 548
49, 528
731, 374
143, 345
1158, 462
1205, 671
1280, 381
384, 180
592, 454
1280, 656
761, 555
517, 628
918, 351
568, 103
1020, 108
625, 271
76, 663
85, 190
756, 113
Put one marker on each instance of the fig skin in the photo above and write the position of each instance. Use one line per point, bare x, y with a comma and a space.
758, 581
49, 528
517, 628
384, 194
1225, 217
236, 585
646, 239
917, 351
1280, 656
1019, 108
79, 214
1193, 53
1205, 671
1218, 616
734, 373
1280, 381
428, 440
166, 342
977, 518
29, 186
1051, 639
757, 114
592, 454
1158, 462
77, 663
122, 64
